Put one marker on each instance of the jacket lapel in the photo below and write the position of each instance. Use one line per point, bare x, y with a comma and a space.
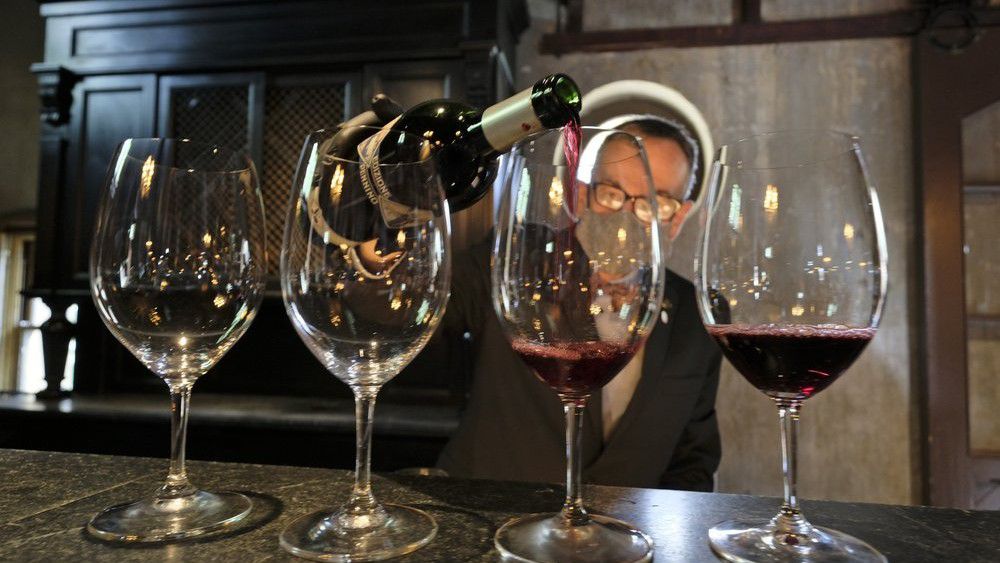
653, 363
656, 346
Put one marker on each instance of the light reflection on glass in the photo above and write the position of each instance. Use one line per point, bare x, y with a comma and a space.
146, 177
556, 192
734, 208
336, 184
771, 198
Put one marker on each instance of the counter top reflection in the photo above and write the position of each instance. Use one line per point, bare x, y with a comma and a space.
46, 498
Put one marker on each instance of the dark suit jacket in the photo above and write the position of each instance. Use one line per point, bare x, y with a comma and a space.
513, 426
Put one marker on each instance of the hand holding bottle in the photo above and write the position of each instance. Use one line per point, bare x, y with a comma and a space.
351, 132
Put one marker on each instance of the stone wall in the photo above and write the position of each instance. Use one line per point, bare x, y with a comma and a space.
858, 438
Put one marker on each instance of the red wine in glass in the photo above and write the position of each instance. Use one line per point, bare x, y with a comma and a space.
792, 279
576, 304
575, 369
571, 136
791, 361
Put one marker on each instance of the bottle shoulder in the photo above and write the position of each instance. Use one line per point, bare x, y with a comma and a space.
441, 108
445, 123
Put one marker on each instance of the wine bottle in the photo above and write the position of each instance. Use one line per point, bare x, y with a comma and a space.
466, 141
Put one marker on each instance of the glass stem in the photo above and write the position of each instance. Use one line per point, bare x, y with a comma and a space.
177, 484
362, 511
790, 519
572, 511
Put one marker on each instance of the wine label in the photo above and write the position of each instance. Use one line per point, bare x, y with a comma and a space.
396, 215
371, 174
509, 121
383, 265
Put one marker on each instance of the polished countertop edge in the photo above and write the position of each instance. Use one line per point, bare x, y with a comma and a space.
257, 410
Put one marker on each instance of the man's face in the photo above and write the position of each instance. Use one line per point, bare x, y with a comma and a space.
669, 167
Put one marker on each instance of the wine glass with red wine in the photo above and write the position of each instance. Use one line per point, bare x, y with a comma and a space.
576, 285
791, 280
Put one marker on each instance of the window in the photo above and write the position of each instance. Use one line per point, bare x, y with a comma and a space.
21, 358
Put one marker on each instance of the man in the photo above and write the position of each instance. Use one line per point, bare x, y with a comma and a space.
654, 425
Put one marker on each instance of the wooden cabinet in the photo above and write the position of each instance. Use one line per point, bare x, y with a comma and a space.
254, 74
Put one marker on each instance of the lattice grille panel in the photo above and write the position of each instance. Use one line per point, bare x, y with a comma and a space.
212, 114
291, 113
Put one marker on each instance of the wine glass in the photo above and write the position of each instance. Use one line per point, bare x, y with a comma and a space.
365, 272
791, 280
576, 286
177, 272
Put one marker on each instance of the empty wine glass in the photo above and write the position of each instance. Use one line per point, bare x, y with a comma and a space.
177, 273
365, 273
576, 286
791, 282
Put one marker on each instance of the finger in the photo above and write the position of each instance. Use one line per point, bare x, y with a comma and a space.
385, 108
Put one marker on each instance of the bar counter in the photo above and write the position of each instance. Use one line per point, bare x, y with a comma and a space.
46, 498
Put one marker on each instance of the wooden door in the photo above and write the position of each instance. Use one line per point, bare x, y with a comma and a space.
958, 160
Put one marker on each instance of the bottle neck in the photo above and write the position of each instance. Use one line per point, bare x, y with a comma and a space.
510, 120
551, 102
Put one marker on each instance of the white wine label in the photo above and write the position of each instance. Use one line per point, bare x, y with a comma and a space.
509, 121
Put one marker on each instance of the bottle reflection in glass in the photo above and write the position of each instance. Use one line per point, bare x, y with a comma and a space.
791, 284
576, 287
177, 273
365, 277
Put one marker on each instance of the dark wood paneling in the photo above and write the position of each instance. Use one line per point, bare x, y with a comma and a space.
129, 58
79, 7
52, 165
414, 82
227, 434
167, 35
107, 109
253, 82
948, 88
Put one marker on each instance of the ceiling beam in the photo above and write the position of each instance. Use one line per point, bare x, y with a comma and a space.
750, 32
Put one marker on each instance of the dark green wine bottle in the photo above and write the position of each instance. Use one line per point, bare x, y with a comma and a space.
466, 141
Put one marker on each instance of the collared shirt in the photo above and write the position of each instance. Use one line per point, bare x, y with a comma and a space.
616, 395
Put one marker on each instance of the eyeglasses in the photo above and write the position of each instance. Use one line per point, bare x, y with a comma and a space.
614, 198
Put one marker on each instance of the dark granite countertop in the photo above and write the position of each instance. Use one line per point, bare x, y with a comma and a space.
46, 498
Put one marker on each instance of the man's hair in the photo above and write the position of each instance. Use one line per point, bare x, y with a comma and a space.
663, 128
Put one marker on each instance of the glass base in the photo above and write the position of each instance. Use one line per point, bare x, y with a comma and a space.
319, 537
755, 541
546, 538
158, 519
